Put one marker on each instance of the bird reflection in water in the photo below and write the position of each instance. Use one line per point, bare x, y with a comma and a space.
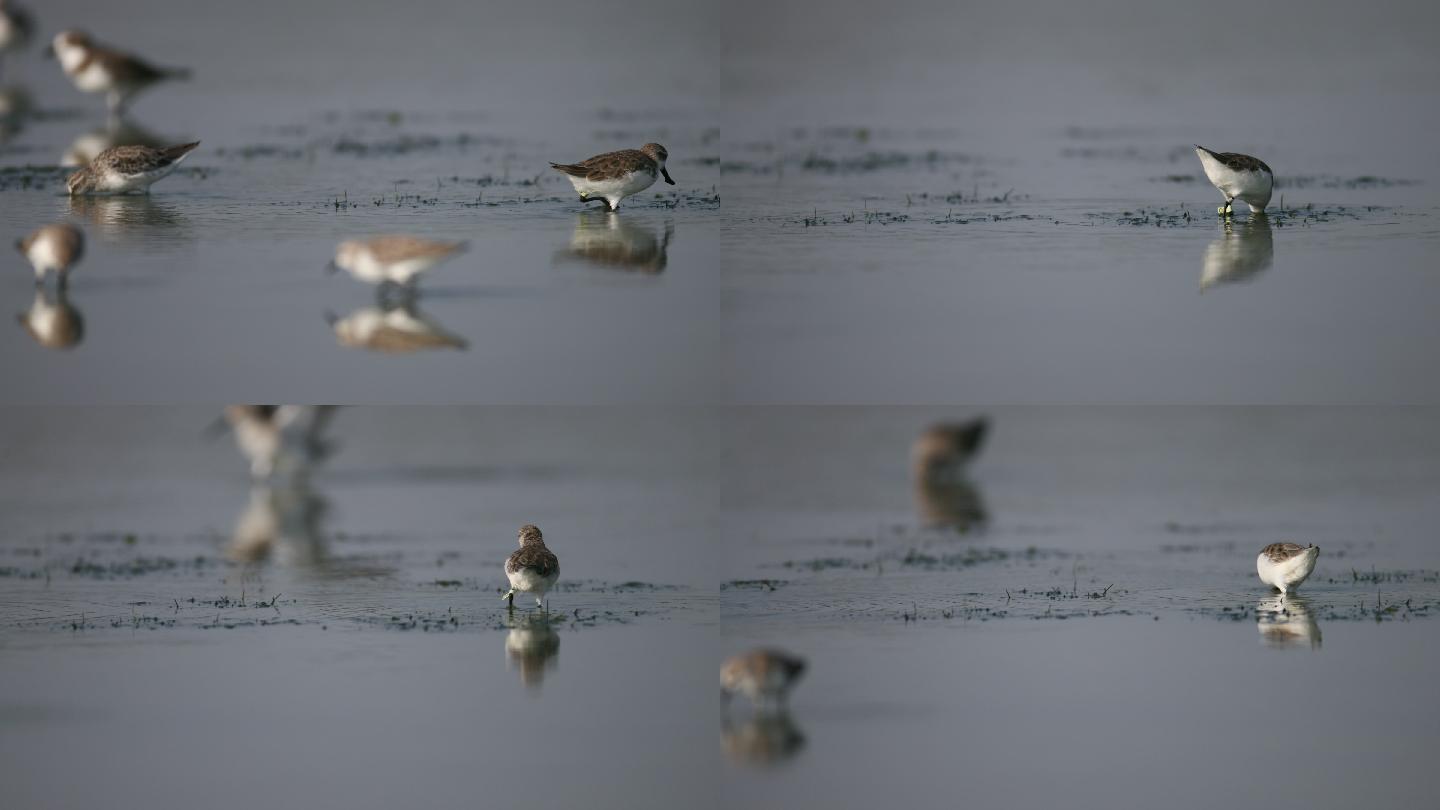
127, 216
939, 459
1286, 621
609, 240
761, 739
281, 522
392, 328
532, 645
1241, 252
52, 320
15, 106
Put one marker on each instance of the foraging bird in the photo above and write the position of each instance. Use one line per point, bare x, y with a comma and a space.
941, 453
391, 259
1238, 177
120, 169
1286, 565
532, 568
764, 676
53, 249
93, 68
614, 176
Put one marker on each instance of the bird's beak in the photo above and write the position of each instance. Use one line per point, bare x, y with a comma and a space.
666, 172
331, 318
49, 52
331, 268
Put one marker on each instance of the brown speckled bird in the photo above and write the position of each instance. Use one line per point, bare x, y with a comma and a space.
532, 568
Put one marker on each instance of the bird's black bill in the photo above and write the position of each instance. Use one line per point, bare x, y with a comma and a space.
331, 268
49, 52
667, 176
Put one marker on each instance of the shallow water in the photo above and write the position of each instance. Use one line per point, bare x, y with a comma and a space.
1099, 562
1084, 604
212, 287
1003, 203
345, 640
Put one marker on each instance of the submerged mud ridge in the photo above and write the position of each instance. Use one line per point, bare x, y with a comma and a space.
939, 580
121, 581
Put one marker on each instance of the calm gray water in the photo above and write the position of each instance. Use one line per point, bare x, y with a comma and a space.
1082, 601
927, 206
358, 119
193, 640
1085, 607
957, 201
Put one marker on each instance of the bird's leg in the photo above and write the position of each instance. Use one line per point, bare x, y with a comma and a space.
510, 597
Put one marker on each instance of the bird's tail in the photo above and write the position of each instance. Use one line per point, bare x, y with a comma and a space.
570, 169
176, 152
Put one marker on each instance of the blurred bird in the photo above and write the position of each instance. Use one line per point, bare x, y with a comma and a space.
53, 249
94, 68
942, 452
394, 260
764, 676
283, 439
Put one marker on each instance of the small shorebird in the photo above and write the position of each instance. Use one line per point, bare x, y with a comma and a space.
764, 676
614, 176
1286, 565
280, 438
942, 451
127, 168
532, 568
53, 249
53, 322
395, 260
1238, 176
392, 330
93, 68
